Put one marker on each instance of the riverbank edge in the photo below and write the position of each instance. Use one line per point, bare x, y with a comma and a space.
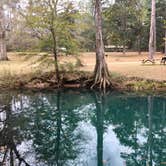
80, 79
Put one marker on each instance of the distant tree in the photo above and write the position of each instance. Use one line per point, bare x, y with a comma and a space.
152, 37
3, 54
3, 26
88, 32
118, 21
160, 17
127, 26
101, 73
139, 12
164, 37
160, 27
165, 43
21, 37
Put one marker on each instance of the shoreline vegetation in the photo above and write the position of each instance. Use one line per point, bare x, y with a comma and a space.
40, 76
76, 80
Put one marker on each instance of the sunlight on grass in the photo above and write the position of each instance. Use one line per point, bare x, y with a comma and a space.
17, 69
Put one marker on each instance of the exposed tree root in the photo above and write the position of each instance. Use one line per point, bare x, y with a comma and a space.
101, 77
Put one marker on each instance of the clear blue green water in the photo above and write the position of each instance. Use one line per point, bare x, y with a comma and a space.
82, 128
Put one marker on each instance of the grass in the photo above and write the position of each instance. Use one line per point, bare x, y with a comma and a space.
18, 70
129, 65
22, 68
37, 70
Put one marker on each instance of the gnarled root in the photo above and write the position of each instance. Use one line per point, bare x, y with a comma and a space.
101, 77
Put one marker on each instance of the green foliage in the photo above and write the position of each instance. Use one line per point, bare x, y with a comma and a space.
70, 44
127, 22
46, 44
53, 23
78, 63
71, 67
160, 16
87, 40
126, 19
68, 66
8, 79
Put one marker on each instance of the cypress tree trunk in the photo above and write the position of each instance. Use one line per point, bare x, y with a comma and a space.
152, 37
3, 54
101, 73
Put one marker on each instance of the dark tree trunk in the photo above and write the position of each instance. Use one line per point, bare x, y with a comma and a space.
55, 56
100, 108
124, 49
124, 27
150, 136
152, 37
101, 73
56, 67
165, 44
139, 44
3, 54
59, 126
100, 133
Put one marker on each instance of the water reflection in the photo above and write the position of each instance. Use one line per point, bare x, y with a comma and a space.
100, 109
8, 135
53, 140
82, 129
108, 146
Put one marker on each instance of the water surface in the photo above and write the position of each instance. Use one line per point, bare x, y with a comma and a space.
81, 128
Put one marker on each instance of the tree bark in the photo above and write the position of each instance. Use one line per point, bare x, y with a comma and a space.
165, 44
124, 19
3, 54
124, 48
54, 14
139, 45
101, 73
55, 57
152, 37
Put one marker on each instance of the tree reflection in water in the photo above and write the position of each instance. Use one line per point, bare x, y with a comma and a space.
99, 103
8, 147
54, 124
108, 153
82, 128
141, 127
